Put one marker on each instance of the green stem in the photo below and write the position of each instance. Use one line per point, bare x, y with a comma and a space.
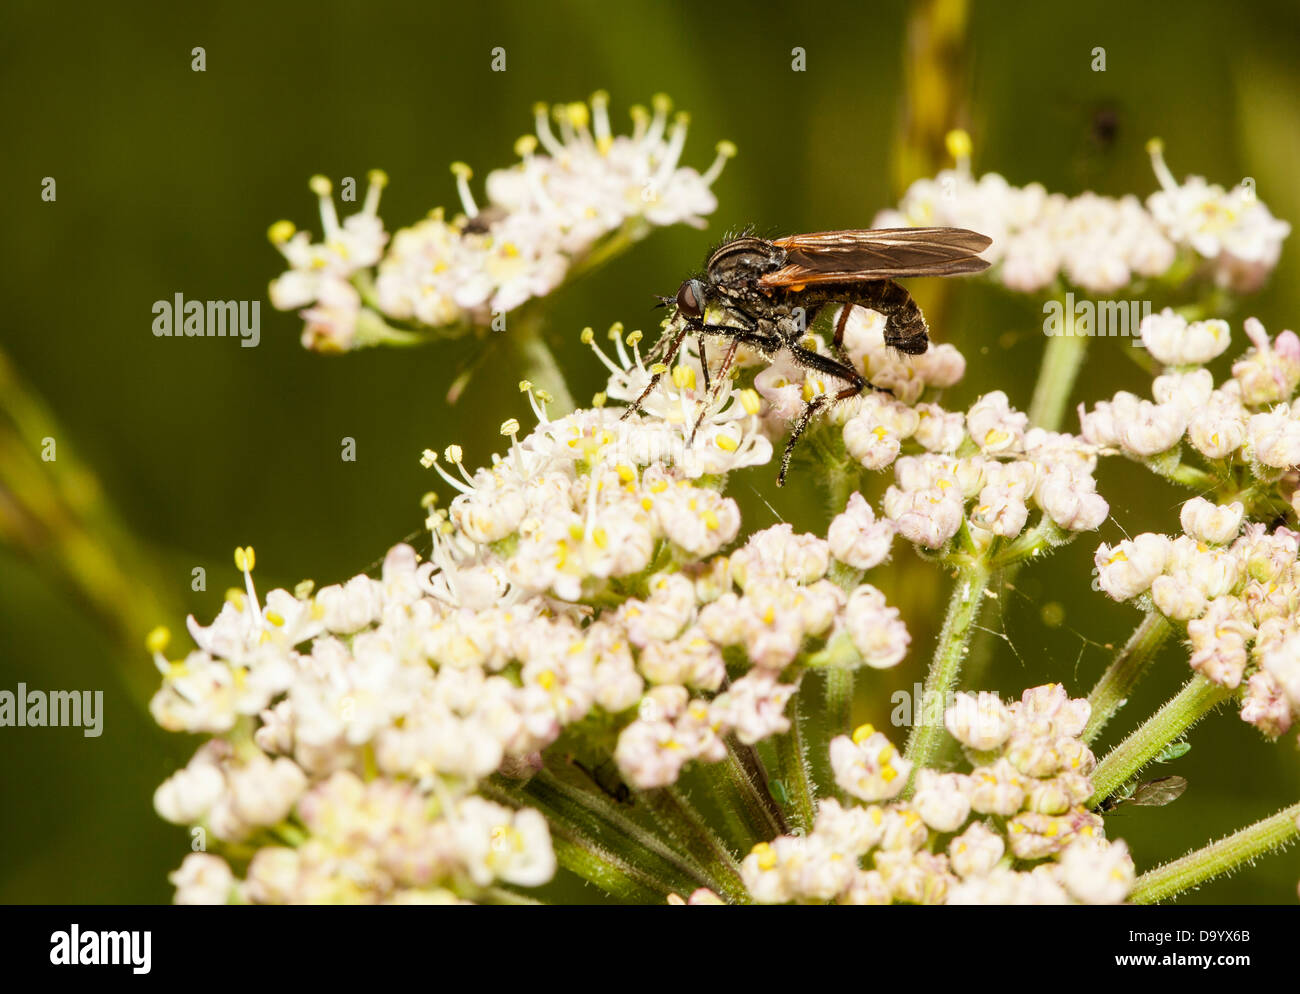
1062, 360
1122, 675
593, 820
1198, 698
605, 870
839, 700
1218, 857
954, 642
679, 818
749, 798
792, 762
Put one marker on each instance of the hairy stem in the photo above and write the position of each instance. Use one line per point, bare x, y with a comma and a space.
1218, 857
796, 778
1128, 667
1198, 698
758, 810
605, 870
954, 642
594, 821
679, 818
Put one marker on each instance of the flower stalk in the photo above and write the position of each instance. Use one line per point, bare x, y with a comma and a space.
1197, 699
954, 643
1218, 858
1128, 667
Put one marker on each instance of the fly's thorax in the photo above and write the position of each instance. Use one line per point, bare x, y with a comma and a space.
743, 260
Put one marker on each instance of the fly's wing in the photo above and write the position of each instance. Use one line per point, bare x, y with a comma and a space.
877, 254
1157, 793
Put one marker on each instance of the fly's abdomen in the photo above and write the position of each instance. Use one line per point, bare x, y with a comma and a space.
905, 327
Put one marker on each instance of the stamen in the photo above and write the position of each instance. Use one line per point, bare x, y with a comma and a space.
329, 217
600, 111
281, 232
676, 142
463, 174
1156, 149
430, 458
725, 150
588, 337
543, 125
662, 104
378, 180
616, 336
156, 643
959, 146
454, 455
244, 560
640, 122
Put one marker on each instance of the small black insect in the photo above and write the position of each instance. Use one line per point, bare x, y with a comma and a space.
769, 293
1151, 794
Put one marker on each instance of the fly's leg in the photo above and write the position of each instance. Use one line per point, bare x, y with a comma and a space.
673, 346
831, 367
711, 394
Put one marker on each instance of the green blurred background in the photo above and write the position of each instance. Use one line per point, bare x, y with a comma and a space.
168, 178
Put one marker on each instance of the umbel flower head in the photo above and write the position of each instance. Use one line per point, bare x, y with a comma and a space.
579, 194
1099, 244
1012, 830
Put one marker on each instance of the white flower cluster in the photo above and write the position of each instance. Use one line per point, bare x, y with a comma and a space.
1005, 465
576, 578
1249, 418
954, 841
568, 197
1239, 597
1099, 244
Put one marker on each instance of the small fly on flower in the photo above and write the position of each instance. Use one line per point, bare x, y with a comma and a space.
766, 294
1150, 794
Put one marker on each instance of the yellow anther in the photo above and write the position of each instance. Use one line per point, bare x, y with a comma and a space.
726, 149
958, 143
862, 733
588, 336
658, 369
510, 427
158, 639
244, 559
749, 401
452, 453
461, 170
726, 443
634, 338
275, 618
526, 146
428, 457
598, 399
579, 114
280, 232
320, 185
625, 472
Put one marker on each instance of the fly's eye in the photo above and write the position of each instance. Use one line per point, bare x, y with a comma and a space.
690, 299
